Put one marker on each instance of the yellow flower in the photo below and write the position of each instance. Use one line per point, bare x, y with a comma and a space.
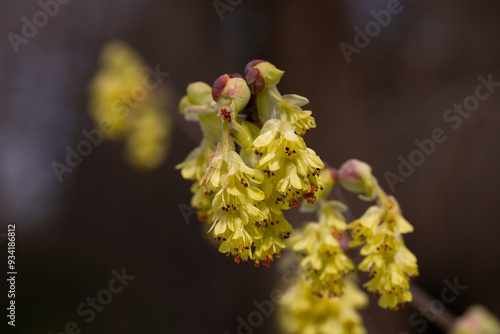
365, 228
193, 167
300, 119
146, 147
390, 264
324, 263
285, 157
121, 71
132, 111
269, 246
302, 312
321, 195
274, 226
330, 214
201, 202
234, 216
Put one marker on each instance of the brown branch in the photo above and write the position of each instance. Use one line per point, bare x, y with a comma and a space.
421, 302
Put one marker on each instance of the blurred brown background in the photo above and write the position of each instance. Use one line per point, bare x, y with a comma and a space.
105, 215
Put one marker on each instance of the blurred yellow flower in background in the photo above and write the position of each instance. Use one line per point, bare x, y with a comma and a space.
126, 95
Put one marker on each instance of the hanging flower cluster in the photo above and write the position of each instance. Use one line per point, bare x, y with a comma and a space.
253, 163
322, 245
128, 105
380, 231
247, 173
303, 312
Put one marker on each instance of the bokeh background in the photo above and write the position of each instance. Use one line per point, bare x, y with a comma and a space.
107, 215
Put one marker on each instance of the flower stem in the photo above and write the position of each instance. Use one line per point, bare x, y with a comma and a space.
225, 136
382, 196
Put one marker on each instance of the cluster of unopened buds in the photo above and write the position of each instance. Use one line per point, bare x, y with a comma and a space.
253, 164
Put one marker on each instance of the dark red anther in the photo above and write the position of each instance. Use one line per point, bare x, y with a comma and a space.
226, 115
294, 202
338, 234
309, 197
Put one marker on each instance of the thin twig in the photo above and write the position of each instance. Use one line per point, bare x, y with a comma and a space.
444, 320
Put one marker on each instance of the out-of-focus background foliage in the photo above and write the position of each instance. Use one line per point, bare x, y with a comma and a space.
107, 215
